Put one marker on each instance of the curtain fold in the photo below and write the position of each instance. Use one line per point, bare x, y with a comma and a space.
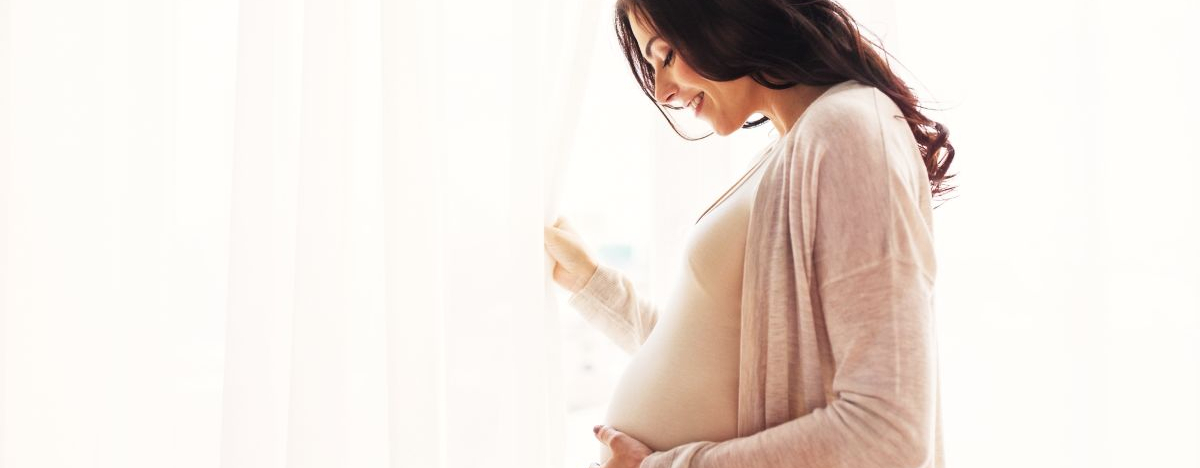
416, 276
279, 233
373, 347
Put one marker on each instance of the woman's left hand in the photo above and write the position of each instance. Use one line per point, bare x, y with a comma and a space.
627, 452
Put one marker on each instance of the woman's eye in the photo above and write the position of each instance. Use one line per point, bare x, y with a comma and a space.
667, 60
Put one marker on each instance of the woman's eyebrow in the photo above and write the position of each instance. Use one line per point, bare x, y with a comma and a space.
648, 44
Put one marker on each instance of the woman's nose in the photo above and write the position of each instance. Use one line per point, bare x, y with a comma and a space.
665, 92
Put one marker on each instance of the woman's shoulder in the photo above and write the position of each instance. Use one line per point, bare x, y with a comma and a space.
853, 131
849, 109
852, 118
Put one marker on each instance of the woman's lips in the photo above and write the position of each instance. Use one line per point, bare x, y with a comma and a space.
699, 104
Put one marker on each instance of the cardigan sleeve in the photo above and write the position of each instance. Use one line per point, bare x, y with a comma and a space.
610, 303
873, 265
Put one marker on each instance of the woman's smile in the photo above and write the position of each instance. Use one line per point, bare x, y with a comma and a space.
697, 103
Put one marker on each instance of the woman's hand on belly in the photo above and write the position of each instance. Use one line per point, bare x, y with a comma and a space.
627, 452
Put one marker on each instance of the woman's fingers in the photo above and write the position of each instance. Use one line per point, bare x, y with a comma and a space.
627, 451
551, 235
564, 224
608, 435
556, 242
574, 266
564, 246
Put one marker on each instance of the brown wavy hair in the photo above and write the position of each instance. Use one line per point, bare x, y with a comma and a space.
778, 43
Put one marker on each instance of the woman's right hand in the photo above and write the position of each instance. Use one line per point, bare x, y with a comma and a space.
573, 265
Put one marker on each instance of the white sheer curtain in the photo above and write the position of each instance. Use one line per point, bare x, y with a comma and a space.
269, 233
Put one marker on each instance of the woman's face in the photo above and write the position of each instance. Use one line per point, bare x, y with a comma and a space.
725, 105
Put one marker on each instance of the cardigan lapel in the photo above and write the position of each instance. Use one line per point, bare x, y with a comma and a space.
785, 370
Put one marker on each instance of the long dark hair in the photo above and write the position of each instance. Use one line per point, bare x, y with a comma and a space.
778, 43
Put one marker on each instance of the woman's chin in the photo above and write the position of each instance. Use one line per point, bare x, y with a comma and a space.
722, 130
721, 127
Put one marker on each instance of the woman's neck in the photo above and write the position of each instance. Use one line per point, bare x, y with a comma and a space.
785, 106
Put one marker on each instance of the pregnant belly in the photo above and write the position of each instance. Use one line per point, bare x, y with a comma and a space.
681, 386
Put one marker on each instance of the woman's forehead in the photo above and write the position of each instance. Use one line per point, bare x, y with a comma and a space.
641, 33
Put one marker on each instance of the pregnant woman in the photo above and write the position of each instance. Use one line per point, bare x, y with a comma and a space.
800, 331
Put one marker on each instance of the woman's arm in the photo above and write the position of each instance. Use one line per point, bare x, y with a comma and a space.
609, 302
604, 296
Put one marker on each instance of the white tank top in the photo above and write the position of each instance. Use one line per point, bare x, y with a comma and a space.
681, 386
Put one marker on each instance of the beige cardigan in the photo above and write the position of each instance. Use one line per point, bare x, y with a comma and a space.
838, 364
